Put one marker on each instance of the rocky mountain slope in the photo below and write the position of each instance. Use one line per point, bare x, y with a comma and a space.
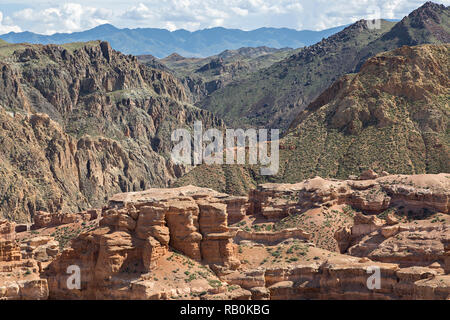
272, 97
162, 42
428, 24
91, 98
203, 76
392, 116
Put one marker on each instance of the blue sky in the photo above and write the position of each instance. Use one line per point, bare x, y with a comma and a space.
48, 17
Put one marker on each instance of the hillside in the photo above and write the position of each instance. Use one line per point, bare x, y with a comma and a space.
392, 116
203, 76
80, 122
428, 24
162, 42
272, 97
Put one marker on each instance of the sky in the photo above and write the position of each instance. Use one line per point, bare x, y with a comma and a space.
48, 17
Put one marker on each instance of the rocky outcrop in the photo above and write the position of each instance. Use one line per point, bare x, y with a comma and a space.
136, 230
45, 219
273, 237
406, 244
9, 250
413, 193
7, 230
36, 289
342, 278
42, 248
19, 269
144, 238
236, 208
194, 219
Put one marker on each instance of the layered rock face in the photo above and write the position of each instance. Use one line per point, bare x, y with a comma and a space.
236, 208
46, 220
273, 237
43, 248
407, 244
137, 229
418, 193
9, 250
19, 268
81, 122
411, 256
344, 279
7, 230
72, 173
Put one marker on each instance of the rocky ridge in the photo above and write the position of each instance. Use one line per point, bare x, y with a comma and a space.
272, 97
91, 120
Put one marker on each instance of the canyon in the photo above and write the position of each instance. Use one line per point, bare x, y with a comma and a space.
93, 205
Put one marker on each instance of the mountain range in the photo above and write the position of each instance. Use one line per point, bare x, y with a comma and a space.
161, 43
337, 124
94, 121
271, 97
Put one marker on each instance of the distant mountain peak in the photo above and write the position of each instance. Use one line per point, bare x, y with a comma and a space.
105, 27
162, 42
174, 57
430, 20
356, 27
430, 5
429, 10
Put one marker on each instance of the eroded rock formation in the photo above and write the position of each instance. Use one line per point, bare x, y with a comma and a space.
19, 270
178, 243
136, 231
416, 192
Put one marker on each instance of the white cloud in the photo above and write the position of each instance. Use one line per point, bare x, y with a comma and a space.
139, 12
6, 25
68, 17
239, 11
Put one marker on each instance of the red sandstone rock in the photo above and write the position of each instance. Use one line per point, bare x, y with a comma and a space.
45, 219
416, 192
7, 230
137, 230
